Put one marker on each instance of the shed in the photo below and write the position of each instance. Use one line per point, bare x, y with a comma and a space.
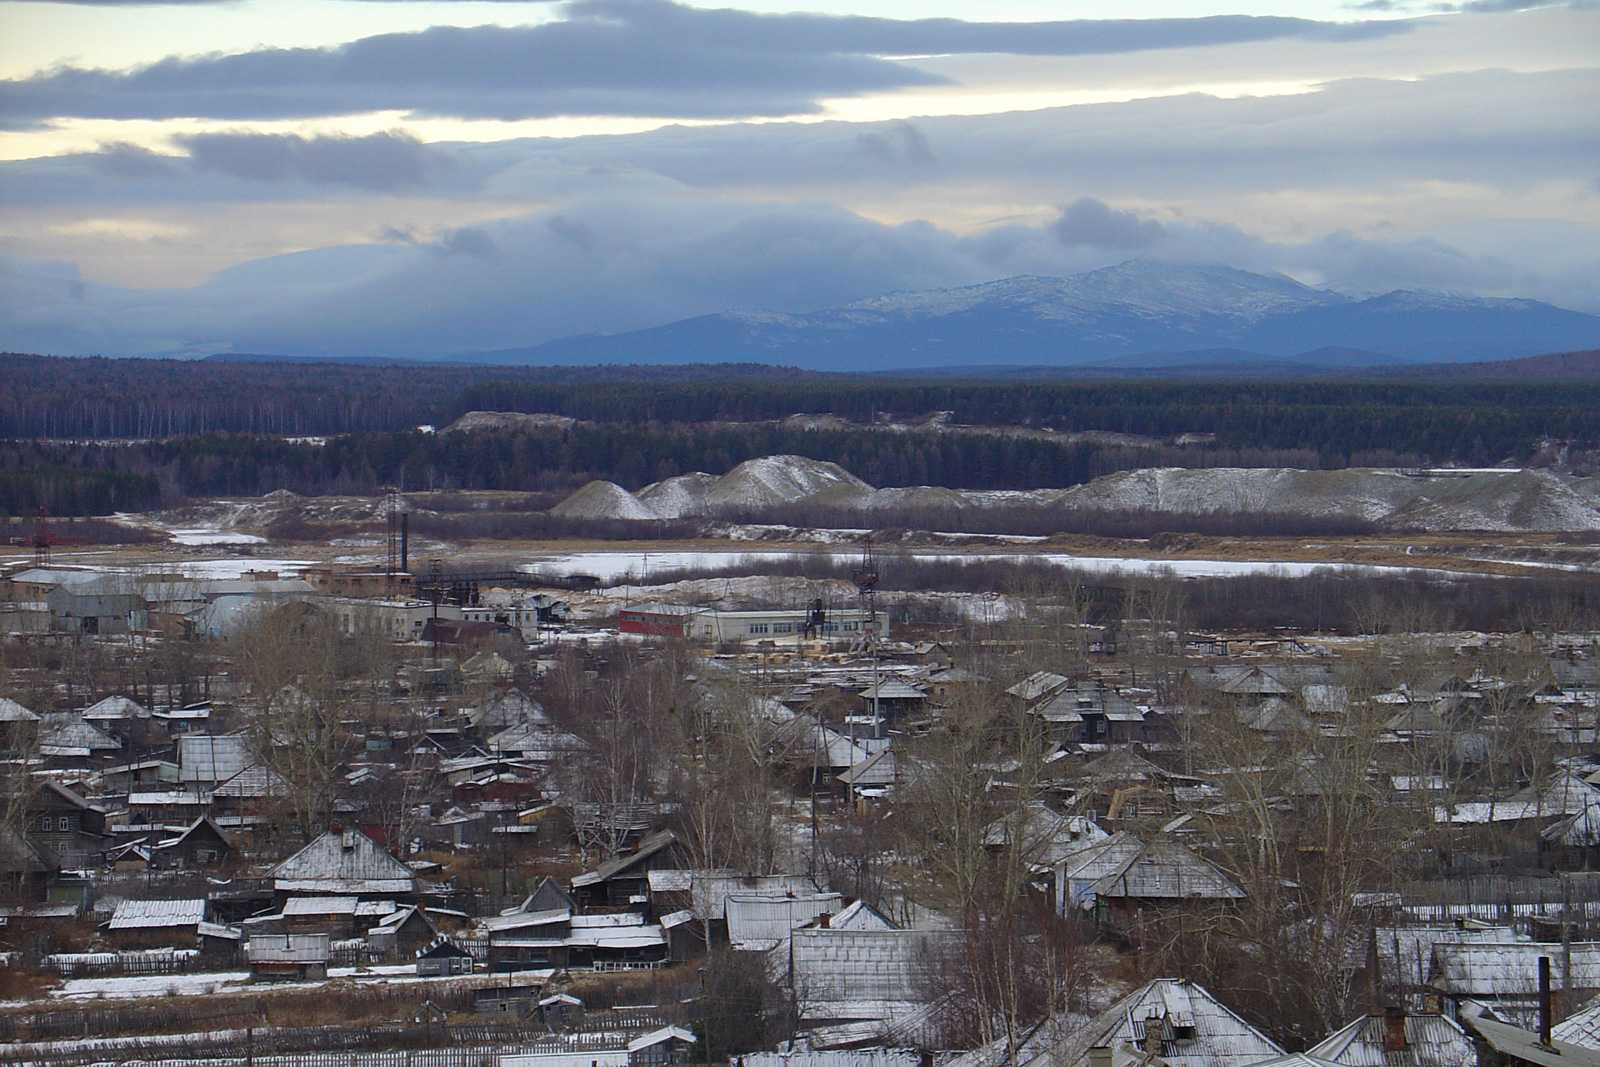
289, 956
443, 957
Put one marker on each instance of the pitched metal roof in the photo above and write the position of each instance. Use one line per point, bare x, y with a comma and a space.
1189, 1026
1523, 1046
289, 948
1167, 870
857, 973
344, 861
114, 708
656, 842
1582, 1027
319, 906
156, 914
1503, 969
1431, 1041
769, 920
212, 757
11, 711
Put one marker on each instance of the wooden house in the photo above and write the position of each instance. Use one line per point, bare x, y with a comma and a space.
64, 824
156, 923
344, 863
622, 880
201, 846
291, 957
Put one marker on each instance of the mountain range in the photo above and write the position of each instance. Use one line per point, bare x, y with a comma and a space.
1138, 314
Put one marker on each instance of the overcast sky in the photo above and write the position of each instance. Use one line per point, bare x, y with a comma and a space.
409, 176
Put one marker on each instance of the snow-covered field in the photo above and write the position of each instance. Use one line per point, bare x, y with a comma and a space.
194, 985
201, 536
612, 566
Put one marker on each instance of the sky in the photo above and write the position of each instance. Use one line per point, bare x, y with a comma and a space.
409, 177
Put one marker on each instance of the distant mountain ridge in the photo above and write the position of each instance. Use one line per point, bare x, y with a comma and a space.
1123, 314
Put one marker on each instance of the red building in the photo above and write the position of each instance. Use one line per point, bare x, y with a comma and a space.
657, 620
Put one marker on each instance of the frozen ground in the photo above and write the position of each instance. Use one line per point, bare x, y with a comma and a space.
611, 566
195, 536
192, 985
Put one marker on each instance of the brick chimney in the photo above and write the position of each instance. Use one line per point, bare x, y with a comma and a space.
1394, 1029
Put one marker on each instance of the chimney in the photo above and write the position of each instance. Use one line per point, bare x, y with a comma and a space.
405, 542
1544, 1001
1154, 1031
822, 920
1394, 1029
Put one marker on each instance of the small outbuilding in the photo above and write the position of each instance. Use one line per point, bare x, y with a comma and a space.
443, 957
291, 957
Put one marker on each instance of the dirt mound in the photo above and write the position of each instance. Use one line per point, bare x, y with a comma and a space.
774, 480
1526, 500
1479, 500
603, 500
508, 422
676, 498
1532, 501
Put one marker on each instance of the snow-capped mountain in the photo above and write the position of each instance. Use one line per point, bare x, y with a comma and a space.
1127, 310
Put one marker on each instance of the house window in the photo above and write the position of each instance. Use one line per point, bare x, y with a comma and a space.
782, 627
65, 822
205, 855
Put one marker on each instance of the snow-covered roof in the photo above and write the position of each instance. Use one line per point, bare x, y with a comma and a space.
11, 711
1178, 1020
319, 906
1582, 1027
154, 914
656, 1037
863, 973
1037, 685
115, 708
289, 948
212, 757
769, 919
343, 861
1502, 969
1166, 869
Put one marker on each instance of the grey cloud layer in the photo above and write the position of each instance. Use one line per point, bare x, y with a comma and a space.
610, 263
1362, 134
607, 57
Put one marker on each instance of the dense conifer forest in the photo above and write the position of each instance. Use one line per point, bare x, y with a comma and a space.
93, 436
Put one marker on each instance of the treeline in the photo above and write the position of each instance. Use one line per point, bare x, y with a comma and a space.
1336, 421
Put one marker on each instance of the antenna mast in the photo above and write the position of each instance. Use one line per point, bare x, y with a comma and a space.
865, 577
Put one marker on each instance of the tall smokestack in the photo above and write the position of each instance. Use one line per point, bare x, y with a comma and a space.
405, 542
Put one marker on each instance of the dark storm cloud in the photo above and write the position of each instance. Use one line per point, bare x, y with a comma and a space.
898, 143
607, 57
1096, 224
379, 161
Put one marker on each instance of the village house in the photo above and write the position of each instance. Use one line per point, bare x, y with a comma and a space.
202, 846
622, 880
344, 863
65, 825
156, 923
442, 957
292, 957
